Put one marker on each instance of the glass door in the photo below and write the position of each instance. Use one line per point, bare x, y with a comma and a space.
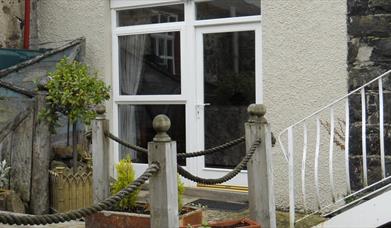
228, 80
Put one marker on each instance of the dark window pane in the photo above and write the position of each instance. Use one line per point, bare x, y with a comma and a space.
227, 8
229, 79
135, 127
151, 15
147, 67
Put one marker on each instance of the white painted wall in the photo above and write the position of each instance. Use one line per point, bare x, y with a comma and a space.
304, 68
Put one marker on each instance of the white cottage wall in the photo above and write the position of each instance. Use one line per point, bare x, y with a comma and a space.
304, 69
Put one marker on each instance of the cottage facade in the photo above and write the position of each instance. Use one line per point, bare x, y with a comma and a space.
203, 62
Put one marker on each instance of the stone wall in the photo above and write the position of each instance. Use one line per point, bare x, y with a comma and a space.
11, 32
369, 55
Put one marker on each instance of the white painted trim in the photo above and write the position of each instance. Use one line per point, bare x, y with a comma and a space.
148, 29
228, 21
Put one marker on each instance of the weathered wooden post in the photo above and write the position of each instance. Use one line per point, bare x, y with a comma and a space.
163, 186
40, 156
100, 156
259, 169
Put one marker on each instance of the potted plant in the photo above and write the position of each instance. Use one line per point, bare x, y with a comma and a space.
73, 90
132, 214
240, 223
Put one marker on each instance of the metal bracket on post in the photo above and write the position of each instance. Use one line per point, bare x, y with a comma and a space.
259, 168
100, 156
163, 188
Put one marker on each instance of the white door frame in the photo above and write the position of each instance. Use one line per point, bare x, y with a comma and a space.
241, 178
189, 92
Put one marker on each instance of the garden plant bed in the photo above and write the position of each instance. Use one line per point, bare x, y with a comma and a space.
140, 219
240, 223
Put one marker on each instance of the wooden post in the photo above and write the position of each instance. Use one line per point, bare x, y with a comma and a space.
100, 156
163, 186
259, 168
39, 203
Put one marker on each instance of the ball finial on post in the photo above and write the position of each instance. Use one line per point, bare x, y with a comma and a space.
257, 113
161, 123
100, 110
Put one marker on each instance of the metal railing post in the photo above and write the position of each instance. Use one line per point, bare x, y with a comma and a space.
259, 168
100, 156
163, 188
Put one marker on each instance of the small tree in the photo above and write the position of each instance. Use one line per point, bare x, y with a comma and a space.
73, 91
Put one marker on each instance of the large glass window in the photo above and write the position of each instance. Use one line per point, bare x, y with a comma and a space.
150, 64
227, 8
135, 127
151, 15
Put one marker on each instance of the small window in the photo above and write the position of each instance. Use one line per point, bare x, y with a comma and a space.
227, 8
151, 15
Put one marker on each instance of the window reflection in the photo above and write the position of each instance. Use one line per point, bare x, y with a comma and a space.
151, 15
149, 64
227, 8
229, 79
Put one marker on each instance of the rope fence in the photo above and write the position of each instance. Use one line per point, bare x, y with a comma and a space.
226, 177
161, 155
15, 219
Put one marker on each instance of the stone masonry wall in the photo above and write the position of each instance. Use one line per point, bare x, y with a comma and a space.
369, 55
11, 32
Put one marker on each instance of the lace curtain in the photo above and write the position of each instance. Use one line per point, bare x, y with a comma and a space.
131, 55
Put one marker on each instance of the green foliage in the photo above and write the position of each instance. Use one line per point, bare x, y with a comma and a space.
73, 91
181, 190
126, 176
4, 172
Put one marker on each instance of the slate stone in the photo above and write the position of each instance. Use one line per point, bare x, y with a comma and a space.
370, 25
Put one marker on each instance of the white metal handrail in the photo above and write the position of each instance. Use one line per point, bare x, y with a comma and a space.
289, 151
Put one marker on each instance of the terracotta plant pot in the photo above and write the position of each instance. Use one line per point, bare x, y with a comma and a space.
114, 219
242, 223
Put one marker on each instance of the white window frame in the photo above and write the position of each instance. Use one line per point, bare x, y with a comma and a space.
188, 96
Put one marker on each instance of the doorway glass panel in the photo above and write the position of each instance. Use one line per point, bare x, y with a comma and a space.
135, 127
229, 87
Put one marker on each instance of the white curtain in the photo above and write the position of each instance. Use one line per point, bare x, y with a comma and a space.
131, 50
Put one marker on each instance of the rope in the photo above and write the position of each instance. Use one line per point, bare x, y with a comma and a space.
133, 147
212, 150
180, 155
225, 178
109, 202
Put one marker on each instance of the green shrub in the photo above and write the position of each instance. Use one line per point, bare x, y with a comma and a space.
126, 176
73, 91
181, 190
